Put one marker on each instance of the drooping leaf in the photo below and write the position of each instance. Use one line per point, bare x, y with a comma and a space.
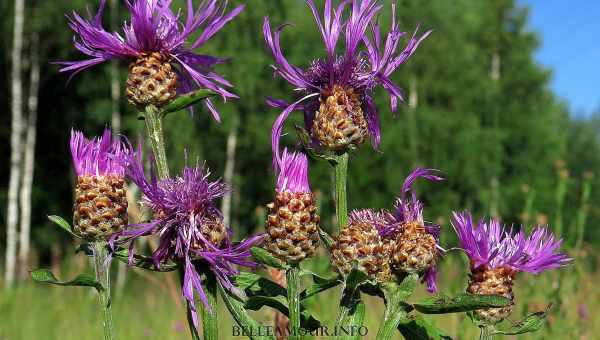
532, 323
81, 280
186, 100
263, 256
442, 304
63, 224
280, 303
144, 262
417, 328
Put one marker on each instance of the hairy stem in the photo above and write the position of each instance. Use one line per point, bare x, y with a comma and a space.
486, 333
102, 271
210, 321
293, 295
341, 198
157, 139
351, 314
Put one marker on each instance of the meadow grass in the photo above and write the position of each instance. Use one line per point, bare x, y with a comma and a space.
149, 306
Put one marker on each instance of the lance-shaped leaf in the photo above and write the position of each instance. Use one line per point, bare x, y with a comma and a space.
417, 328
320, 284
532, 323
280, 303
241, 316
256, 285
186, 100
59, 221
263, 256
81, 280
144, 262
442, 304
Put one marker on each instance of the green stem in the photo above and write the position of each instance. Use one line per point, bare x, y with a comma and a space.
351, 313
157, 139
395, 311
486, 333
293, 295
341, 195
210, 321
242, 318
102, 271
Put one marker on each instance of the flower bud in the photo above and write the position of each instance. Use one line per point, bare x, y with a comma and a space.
340, 121
151, 81
292, 221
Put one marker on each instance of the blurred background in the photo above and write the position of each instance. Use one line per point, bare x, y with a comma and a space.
502, 98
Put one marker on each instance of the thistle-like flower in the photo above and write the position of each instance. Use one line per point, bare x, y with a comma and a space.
292, 221
100, 207
160, 48
497, 255
190, 227
387, 244
338, 106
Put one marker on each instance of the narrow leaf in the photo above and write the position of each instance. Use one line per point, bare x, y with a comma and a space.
355, 278
532, 323
462, 303
186, 100
320, 284
59, 221
256, 285
81, 280
417, 328
263, 256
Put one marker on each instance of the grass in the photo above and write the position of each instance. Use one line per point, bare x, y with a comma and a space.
149, 307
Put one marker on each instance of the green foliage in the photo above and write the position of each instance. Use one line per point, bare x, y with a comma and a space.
263, 256
81, 280
442, 304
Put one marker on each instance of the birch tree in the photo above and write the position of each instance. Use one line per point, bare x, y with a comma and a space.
29, 152
15, 144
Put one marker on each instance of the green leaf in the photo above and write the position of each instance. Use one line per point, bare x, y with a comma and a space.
462, 303
263, 256
280, 303
186, 100
85, 248
144, 262
81, 280
320, 284
59, 221
256, 285
355, 278
532, 323
239, 313
417, 328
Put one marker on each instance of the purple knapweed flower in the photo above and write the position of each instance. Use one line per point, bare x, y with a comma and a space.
100, 208
336, 90
491, 245
498, 254
190, 227
159, 43
292, 221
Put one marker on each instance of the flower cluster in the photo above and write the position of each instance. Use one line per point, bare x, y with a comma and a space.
160, 46
337, 90
398, 242
190, 227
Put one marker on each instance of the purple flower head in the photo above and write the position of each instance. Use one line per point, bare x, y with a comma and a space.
154, 27
189, 226
356, 68
100, 156
293, 172
492, 245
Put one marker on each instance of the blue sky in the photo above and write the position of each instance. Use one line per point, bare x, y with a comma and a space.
570, 32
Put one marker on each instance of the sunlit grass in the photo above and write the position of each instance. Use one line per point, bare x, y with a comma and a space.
149, 307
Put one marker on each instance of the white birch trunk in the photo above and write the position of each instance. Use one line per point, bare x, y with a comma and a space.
15, 144
228, 175
29, 161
